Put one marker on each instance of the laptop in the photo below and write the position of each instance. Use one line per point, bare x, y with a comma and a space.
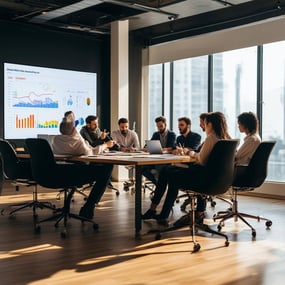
46, 137
154, 147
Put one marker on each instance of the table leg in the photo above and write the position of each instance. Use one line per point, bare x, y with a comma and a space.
138, 199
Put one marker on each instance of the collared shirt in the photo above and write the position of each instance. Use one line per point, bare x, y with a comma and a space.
130, 140
247, 149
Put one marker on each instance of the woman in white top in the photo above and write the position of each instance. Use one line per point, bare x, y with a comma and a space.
248, 124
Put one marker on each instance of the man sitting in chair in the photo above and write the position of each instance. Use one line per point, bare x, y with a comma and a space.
167, 139
70, 142
92, 133
126, 141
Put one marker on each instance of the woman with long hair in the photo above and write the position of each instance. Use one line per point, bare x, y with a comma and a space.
216, 129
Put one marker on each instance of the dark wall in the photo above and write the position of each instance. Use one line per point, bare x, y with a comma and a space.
37, 46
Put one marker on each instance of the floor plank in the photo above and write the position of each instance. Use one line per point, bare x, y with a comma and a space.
112, 255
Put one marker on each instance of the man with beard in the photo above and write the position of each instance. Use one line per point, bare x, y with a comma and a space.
188, 140
126, 139
167, 139
92, 133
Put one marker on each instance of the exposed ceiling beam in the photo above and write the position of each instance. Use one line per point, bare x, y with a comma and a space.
44, 17
171, 16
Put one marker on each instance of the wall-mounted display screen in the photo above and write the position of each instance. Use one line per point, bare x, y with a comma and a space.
36, 98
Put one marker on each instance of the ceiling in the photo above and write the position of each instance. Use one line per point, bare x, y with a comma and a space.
154, 20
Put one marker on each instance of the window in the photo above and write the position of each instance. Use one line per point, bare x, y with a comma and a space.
273, 113
184, 91
234, 85
190, 90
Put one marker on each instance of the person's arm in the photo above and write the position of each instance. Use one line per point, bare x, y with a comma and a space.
83, 132
136, 143
195, 141
171, 140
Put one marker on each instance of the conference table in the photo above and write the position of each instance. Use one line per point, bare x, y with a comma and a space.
138, 160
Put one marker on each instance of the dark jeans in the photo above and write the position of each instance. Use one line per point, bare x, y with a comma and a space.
101, 173
151, 172
177, 178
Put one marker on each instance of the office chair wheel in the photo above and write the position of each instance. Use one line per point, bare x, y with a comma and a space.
2, 212
227, 243
63, 234
219, 227
268, 224
95, 226
253, 233
117, 194
196, 247
213, 204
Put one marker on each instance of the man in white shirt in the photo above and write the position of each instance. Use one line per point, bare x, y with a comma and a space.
70, 142
126, 139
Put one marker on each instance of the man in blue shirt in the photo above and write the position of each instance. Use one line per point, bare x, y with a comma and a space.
187, 140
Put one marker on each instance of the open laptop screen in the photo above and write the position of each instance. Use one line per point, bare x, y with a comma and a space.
154, 146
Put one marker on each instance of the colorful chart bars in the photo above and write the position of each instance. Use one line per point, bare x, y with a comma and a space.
29, 122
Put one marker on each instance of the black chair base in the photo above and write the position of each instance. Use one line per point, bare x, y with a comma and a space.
188, 220
110, 186
235, 214
35, 203
65, 214
80, 191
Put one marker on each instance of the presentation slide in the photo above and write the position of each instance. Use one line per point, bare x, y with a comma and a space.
36, 98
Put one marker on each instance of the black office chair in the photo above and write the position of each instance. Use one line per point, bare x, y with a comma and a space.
51, 174
247, 178
215, 178
20, 174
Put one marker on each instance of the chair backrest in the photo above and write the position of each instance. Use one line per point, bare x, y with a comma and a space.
219, 169
42, 159
9, 160
50, 174
13, 167
255, 173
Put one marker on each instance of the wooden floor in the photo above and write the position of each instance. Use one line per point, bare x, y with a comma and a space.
113, 255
